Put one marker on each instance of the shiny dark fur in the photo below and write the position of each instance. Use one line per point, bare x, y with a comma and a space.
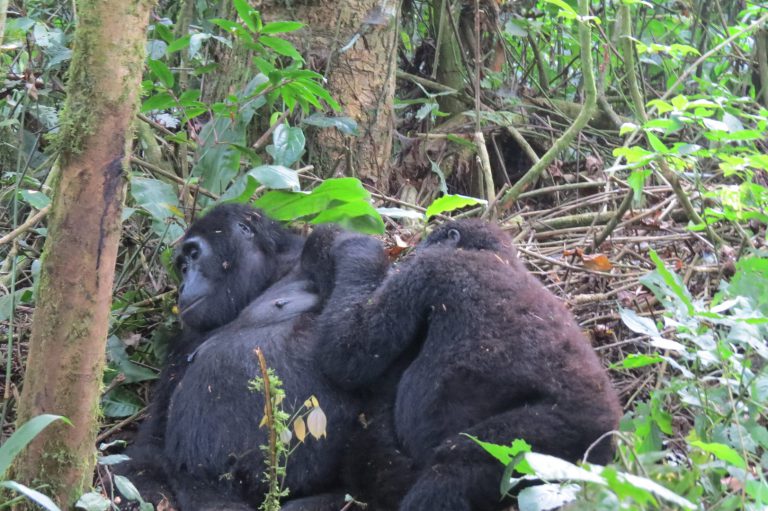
243, 287
459, 338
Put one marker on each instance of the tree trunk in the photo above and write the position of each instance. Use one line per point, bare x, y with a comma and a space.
69, 329
361, 77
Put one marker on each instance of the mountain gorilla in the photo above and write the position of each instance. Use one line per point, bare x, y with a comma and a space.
467, 341
243, 286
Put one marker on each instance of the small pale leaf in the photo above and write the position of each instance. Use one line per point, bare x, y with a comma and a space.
317, 423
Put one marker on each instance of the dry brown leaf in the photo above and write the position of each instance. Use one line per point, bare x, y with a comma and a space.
597, 262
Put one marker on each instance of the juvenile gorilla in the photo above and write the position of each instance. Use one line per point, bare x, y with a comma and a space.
243, 286
467, 342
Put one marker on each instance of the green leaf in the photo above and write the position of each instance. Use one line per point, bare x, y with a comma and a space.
93, 501
276, 177
245, 12
638, 324
178, 44
127, 488
346, 125
672, 282
451, 202
133, 373
722, 452
504, 453
159, 199
563, 6
31, 494
635, 360
281, 46
161, 71
656, 144
357, 216
22, 436
159, 101
544, 497
288, 145
37, 200
280, 27
286, 206
120, 402
636, 181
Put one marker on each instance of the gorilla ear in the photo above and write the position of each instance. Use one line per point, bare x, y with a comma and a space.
454, 235
245, 229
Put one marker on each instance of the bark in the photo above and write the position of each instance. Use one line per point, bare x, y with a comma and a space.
361, 77
69, 329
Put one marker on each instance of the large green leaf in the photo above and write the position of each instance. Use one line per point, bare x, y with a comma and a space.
451, 202
357, 216
159, 199
276, 177
22, 436
290, 206
288, 145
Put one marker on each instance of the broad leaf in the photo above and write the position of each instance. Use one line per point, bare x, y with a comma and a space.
31, 494
22, 436
448, 203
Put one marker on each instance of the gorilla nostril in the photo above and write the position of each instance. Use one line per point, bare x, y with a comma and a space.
181, 287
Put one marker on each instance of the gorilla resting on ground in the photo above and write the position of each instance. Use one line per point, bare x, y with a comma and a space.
243, 286
468, 342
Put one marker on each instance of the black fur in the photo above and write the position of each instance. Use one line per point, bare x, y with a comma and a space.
243, 287
459, 338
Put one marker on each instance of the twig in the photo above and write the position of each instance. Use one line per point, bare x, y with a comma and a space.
270, 420
173, 177
263, 138
30, 222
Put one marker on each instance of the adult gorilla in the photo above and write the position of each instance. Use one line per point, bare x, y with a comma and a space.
243, 287
461, 339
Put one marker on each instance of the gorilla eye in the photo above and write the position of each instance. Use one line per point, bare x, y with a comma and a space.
183, 268
245, 229
454, 235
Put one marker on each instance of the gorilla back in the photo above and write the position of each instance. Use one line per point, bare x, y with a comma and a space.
486, 351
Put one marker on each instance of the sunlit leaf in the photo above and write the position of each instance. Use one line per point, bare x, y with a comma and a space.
448, 203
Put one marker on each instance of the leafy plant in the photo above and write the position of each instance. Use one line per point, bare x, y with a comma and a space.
12, 447
308, 418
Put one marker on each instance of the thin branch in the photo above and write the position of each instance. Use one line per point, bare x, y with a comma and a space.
31, 221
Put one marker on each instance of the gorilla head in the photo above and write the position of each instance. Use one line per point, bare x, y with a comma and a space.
226, 259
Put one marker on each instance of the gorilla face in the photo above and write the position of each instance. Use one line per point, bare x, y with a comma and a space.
225, 260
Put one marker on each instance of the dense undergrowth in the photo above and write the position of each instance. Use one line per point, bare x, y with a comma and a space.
651, 224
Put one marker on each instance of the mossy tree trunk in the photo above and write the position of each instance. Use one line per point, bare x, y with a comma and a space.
69, 329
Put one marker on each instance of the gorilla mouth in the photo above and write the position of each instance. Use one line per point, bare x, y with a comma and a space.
185, 309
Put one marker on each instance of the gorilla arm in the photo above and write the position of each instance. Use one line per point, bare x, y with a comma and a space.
363, 329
